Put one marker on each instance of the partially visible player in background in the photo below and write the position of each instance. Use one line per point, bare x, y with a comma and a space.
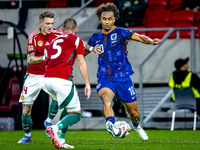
53, 108
114, 68
58, 80
38, 41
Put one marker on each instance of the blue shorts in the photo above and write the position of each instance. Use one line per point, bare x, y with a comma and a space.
124, 90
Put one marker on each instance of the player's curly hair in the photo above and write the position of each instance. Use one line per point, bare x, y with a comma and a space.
107, 7
46, 13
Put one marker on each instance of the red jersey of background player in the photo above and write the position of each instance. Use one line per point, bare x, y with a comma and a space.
61, 55
37, 43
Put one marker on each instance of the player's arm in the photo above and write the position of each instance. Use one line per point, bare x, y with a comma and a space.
145, 39
31, 49
84, 72
88, 48
92, 49
32, 59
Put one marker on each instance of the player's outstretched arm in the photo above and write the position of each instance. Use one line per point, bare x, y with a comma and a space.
84, 72
146, 40
32, 59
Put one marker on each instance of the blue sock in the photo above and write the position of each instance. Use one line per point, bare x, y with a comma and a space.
111, 119
135, 124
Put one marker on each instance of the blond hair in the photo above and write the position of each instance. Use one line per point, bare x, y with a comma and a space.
46, 13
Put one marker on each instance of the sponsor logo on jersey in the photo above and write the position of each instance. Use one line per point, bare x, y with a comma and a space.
40, 43
98, 41
22, 97
47, 43
30, 47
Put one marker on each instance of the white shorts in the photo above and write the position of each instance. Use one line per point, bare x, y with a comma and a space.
33, 84
64, 92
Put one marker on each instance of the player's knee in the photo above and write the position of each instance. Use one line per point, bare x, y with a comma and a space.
106, 98
26, 110
107, 103
26, 113
134, 114
79, 116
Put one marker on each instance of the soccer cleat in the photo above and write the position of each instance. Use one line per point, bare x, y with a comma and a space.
141, 133
47, 124
64, 145
109, 127
52, 131
25, 139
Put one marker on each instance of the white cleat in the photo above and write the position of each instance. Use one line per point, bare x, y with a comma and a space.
64, 145
141, 133
109, 128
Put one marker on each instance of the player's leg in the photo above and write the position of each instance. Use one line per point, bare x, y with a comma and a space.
132, 109
67, 98
26, 123
53, 109
31, 89
68, 119
107, 96
129, 101
64, 130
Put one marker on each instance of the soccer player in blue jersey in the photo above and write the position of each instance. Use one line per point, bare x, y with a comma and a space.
114, 68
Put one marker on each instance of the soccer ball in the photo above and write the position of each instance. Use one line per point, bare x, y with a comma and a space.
121, 129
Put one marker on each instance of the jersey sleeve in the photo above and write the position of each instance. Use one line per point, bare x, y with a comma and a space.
31, 45
128, 34
80, 48
91, 41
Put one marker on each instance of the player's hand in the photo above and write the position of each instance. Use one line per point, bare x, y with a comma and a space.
87, 91
156, 41
97, 49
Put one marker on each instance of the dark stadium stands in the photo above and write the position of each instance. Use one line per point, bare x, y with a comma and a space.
10, 99
169, 13
156, 5
175, 5
158, 18
197, 24
183, 18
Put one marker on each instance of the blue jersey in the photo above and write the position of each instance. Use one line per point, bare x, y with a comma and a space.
113, 61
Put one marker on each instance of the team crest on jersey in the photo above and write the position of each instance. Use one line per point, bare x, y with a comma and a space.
40, 43
114, 36
30, 47
22, 97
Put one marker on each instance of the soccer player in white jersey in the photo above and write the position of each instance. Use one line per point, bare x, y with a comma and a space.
58, 80
38, 41
114, 68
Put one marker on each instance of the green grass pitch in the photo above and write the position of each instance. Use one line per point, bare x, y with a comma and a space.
102, 140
